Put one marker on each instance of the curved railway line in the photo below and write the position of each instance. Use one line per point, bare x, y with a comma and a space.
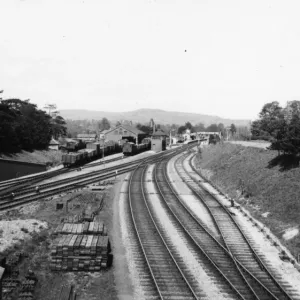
224, 252
255, 268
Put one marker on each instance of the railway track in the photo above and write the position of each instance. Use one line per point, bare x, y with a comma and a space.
19, 183
65, 185
168, 279
217, 260
258, 273
31, 189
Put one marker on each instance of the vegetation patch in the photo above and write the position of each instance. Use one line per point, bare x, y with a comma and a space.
250, 176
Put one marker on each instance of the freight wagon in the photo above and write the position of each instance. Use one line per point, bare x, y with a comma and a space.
93, 151
132, 149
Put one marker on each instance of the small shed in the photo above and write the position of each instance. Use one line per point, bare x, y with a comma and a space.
158, 141
54, 144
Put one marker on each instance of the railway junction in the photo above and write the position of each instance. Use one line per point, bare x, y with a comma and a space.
171, 234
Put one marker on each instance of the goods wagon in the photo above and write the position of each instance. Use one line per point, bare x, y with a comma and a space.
132, 149
91, 152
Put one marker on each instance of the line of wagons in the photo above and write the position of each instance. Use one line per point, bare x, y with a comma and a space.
95, 150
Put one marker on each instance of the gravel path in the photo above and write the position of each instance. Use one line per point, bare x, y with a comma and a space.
120, 266
130, 243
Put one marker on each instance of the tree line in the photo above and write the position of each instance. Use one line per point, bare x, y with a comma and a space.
25, 127
280, 126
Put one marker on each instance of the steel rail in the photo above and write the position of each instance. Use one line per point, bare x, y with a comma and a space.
145, 245
27, 188
254, 253
87, 180
247, 272
188, 234
259, 285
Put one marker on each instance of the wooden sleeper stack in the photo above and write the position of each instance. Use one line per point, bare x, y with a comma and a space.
80, 252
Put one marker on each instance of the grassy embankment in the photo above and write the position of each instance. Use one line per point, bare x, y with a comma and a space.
270, 184
51, 157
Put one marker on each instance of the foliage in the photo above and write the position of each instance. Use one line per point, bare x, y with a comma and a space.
59, 127
232, 129
145, 128
279, 125
103, 124
24, 127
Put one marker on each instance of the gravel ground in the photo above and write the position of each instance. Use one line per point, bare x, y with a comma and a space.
285, 268
120, 266
135, 274
205, 282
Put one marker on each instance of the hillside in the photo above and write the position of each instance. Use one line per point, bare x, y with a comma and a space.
144, 115
271, 188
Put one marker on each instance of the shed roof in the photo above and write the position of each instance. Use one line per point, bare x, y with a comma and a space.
126, 127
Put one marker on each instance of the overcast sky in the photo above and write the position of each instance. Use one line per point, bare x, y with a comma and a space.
224, 58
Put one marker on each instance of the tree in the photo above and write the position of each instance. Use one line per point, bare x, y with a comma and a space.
103, 124
232, 129
181, 130
189, 126
59, 127
23, 126
212, 128
145, 128
199, 127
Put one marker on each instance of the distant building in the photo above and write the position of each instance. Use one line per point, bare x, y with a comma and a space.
54, 144
124, 132
158, 141
87, 137
187, 135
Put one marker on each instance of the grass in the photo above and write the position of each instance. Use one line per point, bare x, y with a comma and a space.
50, 157
260, 181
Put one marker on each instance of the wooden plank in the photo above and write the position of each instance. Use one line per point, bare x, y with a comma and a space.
73, 240
91, 227
74, 229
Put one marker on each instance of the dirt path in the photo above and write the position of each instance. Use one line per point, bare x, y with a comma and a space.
120, 267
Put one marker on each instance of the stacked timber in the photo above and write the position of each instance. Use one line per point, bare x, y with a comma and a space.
96, 228
77, 252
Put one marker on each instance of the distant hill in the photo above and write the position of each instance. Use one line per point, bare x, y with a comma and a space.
144, 115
